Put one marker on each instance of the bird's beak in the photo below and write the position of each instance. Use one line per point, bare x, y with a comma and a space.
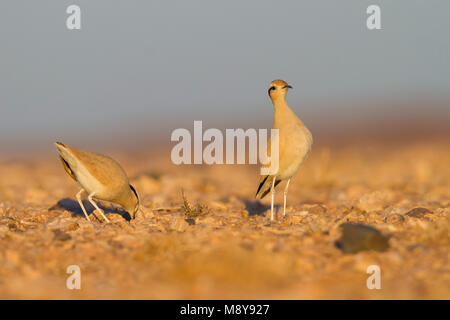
288, 86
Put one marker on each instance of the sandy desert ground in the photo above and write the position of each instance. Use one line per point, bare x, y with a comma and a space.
230, 249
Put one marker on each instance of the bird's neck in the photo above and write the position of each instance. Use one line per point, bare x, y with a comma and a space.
283, 114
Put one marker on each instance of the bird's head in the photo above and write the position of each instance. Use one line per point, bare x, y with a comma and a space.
133, 204
278, 89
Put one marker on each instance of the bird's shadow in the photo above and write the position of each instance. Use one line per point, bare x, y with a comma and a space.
74, 207
256, 208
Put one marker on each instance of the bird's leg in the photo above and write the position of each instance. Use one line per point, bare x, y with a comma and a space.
285, 197
272, 192
81, 204
96, 207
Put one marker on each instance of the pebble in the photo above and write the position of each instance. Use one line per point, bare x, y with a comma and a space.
418, 212
395, 219
60, 235
63, 224
360, 237
373, 201
178, 224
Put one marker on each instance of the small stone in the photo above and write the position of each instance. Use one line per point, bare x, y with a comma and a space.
63, 224
360, 237
373, 201
418, 212
317, 209
178, 224
218, 205
394, 219
61, 236
394, 210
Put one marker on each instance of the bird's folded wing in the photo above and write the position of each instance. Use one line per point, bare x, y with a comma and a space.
265, 185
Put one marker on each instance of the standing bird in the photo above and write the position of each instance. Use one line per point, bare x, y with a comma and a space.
295, 142
100, 177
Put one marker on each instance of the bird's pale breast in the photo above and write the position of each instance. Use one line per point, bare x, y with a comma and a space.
295, 144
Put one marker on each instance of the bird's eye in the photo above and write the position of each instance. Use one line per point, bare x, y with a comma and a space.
270, 89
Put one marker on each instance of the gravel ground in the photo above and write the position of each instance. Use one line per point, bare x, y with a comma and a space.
225, 246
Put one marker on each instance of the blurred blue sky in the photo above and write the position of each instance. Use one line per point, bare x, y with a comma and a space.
143, 67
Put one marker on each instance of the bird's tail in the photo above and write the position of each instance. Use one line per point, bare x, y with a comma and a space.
265, 185
63, 154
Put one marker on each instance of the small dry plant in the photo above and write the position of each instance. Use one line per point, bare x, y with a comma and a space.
193, 212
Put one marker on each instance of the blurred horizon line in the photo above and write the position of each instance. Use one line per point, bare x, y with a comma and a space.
397, 120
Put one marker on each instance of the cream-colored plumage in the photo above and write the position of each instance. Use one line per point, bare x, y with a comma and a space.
100, 177
295, 142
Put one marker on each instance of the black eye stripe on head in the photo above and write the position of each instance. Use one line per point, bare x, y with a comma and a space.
270, 89
134, 191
